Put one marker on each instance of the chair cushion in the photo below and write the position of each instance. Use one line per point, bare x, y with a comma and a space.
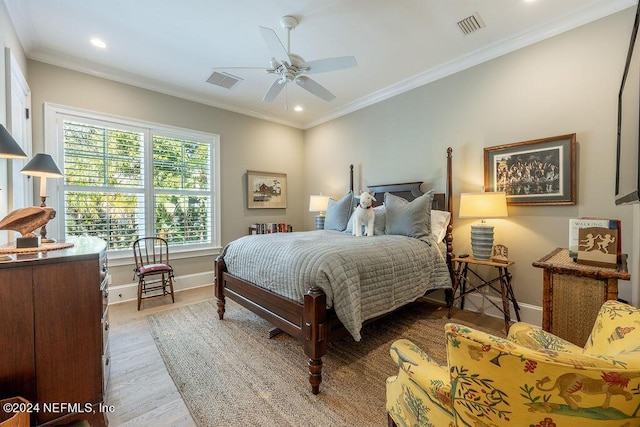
153, 269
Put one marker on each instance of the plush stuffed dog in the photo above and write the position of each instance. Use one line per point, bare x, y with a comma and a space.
364, 215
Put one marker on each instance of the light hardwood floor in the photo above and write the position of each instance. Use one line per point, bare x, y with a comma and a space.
140, 389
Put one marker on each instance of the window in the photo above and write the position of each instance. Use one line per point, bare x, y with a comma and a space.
125, 179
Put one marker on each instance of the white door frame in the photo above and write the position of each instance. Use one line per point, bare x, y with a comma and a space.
18, 100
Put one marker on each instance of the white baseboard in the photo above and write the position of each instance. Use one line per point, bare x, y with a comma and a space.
529, 313
129, 291
473, 302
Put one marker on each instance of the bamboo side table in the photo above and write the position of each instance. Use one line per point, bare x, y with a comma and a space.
462, 281
573, 294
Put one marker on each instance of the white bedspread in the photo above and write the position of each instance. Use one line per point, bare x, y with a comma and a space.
363, 277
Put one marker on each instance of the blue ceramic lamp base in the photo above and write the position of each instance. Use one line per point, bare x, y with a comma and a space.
482, 241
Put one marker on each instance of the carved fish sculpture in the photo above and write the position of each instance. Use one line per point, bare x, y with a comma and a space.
26, 220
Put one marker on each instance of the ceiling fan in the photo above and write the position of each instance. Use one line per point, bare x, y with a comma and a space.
289, 67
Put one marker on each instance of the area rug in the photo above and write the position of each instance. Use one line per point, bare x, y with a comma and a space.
229, 373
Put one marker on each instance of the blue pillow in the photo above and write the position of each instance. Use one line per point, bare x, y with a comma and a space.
338, 212
405, 218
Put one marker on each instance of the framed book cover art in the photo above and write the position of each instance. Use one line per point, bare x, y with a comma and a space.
537, 172
266, 190
598, 246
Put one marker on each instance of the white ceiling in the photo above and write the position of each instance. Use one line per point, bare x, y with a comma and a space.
172, 46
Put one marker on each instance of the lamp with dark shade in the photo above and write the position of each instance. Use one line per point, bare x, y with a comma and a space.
43, 166
9, 148
482, 205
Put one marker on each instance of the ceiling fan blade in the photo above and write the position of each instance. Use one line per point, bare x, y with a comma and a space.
274, 90
330, 64
315, 88
275, 45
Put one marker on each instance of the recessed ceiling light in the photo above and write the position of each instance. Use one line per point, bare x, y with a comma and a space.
98, 43
298, 108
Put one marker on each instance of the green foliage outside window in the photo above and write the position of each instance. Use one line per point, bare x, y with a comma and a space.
105, 189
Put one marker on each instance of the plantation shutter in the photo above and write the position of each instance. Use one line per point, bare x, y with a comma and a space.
122, 182
182, 188
104, 182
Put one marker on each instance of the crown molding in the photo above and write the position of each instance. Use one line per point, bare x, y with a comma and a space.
120, 76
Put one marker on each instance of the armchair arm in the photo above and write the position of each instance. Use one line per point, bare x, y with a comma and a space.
535, 338
422, 369
501, 382
616, 330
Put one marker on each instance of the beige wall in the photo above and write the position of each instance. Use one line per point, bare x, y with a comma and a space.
246, 143
562, 85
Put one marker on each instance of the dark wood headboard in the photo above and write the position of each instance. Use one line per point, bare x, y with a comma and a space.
408, 191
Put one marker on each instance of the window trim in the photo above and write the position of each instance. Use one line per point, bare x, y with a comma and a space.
55, 186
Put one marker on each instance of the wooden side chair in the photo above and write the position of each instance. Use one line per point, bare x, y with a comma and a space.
154, 273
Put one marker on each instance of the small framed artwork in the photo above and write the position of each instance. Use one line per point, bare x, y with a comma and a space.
266, 190
538, 172
500, 254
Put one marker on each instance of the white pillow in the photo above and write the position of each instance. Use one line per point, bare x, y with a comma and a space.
439, 223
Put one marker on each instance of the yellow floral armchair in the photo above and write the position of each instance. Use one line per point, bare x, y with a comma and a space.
530, 379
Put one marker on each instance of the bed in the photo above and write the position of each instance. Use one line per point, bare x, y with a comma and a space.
325, 291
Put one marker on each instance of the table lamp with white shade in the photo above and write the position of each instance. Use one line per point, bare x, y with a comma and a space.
319, 203
483, 205
42, 165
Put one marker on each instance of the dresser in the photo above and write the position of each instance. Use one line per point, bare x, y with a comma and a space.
54, 332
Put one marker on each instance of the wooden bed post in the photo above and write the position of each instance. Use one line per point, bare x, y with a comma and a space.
315, 333
351, 177
449, 236
219, 286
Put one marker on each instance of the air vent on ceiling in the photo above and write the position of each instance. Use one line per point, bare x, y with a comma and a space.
471, 24
224, 80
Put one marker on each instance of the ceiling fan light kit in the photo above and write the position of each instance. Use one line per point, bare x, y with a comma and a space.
290, 67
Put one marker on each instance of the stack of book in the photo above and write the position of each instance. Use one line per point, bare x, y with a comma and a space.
270, 227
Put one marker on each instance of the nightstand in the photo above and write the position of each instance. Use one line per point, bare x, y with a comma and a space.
573, 294
462, 281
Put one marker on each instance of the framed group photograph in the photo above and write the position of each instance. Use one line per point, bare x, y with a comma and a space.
266, 190
537, 172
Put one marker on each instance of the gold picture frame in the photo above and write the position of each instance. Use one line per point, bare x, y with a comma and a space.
266, 190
